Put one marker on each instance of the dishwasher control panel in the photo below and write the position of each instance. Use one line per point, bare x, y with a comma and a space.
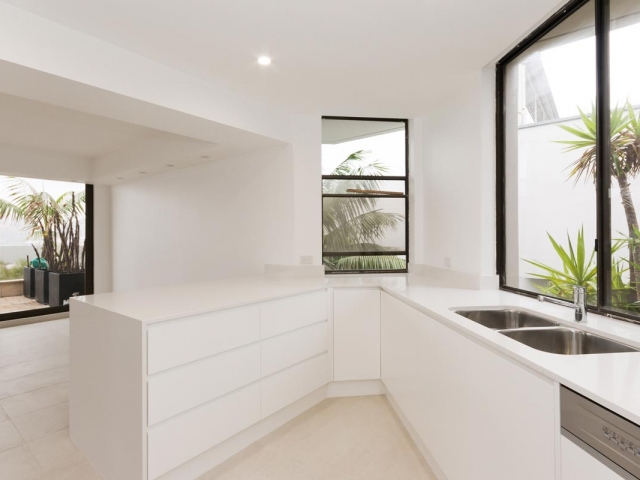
622, 443
610, 435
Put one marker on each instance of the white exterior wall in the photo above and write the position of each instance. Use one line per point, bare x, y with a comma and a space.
548, 201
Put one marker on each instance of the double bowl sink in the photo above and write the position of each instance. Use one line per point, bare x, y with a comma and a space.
543, 334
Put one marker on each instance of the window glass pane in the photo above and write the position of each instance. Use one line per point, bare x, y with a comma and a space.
361, 262
359, 224
550, 159
625, 143
354, 147
355, 187
42, 221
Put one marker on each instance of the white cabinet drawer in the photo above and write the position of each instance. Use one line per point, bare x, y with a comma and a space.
177, 342
286, 387
286, 314
356, 334
180, 439
186, 387
290, 348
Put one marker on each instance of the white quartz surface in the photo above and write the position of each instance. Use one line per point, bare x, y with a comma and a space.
612, 380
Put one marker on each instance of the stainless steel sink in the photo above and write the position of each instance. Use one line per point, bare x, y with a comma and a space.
566, 341
506, 319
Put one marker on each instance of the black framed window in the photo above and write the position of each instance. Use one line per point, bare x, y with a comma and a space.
46, 245
568, 158
365, 195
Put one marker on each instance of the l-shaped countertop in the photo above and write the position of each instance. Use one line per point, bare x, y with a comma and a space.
612, 380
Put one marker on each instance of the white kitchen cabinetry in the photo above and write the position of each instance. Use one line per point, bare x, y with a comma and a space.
189, 383
356, 334
480, 416
579, 465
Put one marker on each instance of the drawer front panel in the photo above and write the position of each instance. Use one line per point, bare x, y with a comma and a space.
180, 439
290, 348
286, 314
182, 341
180, 389
286, 387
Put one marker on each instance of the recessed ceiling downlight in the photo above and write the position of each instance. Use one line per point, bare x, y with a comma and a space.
264, 60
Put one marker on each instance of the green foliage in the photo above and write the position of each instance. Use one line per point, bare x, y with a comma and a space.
625, 163
578, 268
54, 221
377, 262
622, 292
356, 224
624, 132
12, 271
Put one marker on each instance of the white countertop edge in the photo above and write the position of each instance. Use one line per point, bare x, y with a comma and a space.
202, 311
463, 329
545, 364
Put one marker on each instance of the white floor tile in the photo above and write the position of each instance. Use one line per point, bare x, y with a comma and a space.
32, 382
55, 451
9, 436
19, 405
34, 366
43, 422
18, 464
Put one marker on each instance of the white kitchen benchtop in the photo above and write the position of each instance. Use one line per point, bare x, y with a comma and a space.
612, 380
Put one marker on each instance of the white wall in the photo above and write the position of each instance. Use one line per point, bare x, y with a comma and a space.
459, 182
226, 218
307, 187
417, 221
102, 275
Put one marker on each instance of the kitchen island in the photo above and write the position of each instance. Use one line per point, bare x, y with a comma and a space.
168, 382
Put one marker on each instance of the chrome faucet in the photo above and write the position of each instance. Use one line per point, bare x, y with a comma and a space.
579, 304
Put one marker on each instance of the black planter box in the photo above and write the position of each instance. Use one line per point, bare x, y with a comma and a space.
29, 285
42, 286
62, 286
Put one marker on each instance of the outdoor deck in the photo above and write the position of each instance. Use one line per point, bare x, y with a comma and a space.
18, 304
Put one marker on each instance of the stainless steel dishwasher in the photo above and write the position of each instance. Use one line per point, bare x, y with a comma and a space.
611, 442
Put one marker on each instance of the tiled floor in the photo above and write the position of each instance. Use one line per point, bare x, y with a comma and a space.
18, 304
353, 438
34, 405
339, 439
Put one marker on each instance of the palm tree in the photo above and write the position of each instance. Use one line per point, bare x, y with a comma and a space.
44, 217
356, 224
625, 164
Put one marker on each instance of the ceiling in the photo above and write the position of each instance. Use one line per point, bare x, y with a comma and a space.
97, 149
40, 126
357, 57
335, 131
